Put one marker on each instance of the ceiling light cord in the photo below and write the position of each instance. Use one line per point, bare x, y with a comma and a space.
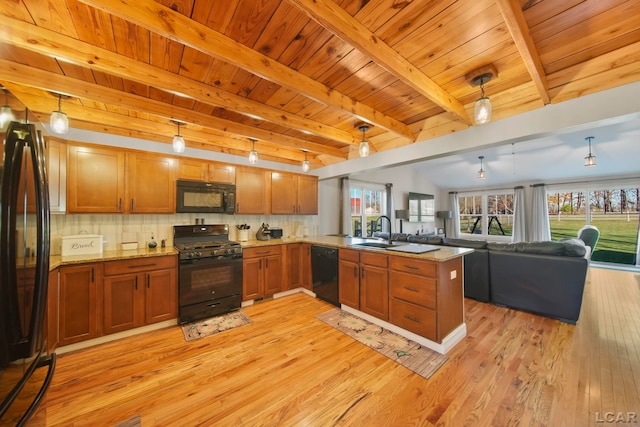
481, 173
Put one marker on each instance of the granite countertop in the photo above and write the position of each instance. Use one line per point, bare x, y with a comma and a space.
444, 253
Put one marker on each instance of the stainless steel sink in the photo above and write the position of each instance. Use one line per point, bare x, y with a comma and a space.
378, 245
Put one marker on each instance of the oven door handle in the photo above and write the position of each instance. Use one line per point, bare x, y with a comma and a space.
213, 304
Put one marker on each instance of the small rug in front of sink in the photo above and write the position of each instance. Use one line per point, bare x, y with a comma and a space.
204, 328
410, 354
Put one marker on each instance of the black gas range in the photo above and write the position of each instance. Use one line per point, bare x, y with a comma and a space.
209, 271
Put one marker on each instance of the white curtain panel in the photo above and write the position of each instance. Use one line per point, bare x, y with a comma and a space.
390, 211
540, 229
345, 207
454, 224
519, 217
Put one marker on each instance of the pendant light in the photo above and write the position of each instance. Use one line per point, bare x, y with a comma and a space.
305, 163
59, 121
481, 173
590, 160
253, 154
6, 113
363, 148
479, 77
178, 143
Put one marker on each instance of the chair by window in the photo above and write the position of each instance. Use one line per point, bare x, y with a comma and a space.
590, 235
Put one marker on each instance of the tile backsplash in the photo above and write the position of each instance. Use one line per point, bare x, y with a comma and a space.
117, 229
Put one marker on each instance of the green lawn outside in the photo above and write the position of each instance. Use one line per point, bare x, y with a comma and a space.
618, 234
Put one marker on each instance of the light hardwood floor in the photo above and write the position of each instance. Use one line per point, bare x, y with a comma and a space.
289, 369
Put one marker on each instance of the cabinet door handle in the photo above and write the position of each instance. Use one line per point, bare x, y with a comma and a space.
294, 209
133, 205
411, 289
237, 207
355, 271
136, 283
263, 252
413, 319
260, 265
120, 204
148, 280
92, 275
299, 209
413, 267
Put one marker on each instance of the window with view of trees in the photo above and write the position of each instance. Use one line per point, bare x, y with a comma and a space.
486, 214
614, 211
367, 204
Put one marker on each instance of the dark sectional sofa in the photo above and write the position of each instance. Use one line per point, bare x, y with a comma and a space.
545, 278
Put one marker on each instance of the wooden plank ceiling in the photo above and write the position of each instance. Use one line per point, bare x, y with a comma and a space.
301, 75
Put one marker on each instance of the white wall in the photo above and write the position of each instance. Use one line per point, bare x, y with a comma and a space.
404, 180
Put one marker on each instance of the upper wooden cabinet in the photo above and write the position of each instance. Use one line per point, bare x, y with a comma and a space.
251, 191
219, 172
294, 194
198, 170
95, 180
57, 175
151, 183
106, 180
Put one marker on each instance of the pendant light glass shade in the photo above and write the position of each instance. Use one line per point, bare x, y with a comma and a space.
590, 160
363, 148
305, 164
253, 154
481, 173
6, 113
59, 121
482, 111
178, 143
6, 116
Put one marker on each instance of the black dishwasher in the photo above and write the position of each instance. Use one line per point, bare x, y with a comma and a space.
324, 271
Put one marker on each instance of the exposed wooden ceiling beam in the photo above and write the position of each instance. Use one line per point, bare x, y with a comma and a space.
42, 103
162, 20
46, 80
49, 43
517, 25
331, 16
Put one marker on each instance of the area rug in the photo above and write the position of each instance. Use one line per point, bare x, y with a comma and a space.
411, 355
204, 328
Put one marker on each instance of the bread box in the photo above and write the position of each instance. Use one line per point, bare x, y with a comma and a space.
82, 244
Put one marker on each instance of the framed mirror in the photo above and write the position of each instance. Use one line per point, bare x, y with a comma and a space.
421, 207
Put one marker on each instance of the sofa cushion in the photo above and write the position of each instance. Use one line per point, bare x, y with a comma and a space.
465, 243
567, 247
505, 247
429, 239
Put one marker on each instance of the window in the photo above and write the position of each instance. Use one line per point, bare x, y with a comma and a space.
367, 204
614, 211
486, 214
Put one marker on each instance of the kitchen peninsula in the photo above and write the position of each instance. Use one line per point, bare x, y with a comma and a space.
419, 296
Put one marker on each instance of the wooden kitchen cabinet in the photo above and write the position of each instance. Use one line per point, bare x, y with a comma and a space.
53, 310
108, 180
294, 194
298, 265
349, 277
251, 191
426, 296
262, 272
364, 282
95, 180
374, 285
80, 303
139, 292
57, 175
151, 183
192, 169
219, 172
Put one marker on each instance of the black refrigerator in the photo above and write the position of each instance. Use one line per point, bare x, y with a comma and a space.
26, 369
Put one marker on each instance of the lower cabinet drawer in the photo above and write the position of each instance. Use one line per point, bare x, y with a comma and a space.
412, 288
414, 318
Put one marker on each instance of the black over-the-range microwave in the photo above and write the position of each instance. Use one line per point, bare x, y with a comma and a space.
205, 197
